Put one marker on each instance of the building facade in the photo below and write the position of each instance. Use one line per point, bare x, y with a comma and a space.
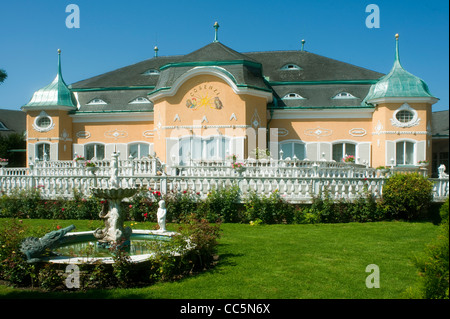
216, 102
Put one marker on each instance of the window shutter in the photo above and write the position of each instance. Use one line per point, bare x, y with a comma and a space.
363, 153
311, 151
53, 152
421, 151
122, 148
325, 148
32, 152
390, 152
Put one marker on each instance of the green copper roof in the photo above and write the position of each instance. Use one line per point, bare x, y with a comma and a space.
398, 83
55, 94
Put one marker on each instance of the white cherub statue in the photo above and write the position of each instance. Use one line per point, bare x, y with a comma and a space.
161, 215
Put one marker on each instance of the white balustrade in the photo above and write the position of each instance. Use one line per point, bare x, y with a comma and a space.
296, 181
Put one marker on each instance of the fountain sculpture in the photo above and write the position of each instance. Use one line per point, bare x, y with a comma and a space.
114, 231
53, 246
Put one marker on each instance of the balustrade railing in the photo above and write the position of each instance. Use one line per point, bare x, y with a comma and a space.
296, 181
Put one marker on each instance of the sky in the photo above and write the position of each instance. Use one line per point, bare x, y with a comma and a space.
114, 34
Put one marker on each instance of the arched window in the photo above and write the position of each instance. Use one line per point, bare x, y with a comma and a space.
151, 72
207, 148
96, 101
292, 96
139, 100
94, 151
293, 148
290, 66
344, 95
43, 151
139, 150
404, 153
343, 149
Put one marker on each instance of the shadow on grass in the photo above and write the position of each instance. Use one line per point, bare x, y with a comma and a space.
224, 262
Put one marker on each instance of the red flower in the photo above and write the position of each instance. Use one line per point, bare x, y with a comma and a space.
63, 209
102, 201
145, 215
184, 192
131, 206
58, 227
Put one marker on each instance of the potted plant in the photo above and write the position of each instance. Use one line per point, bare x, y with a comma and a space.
79, 159
238, 167
423, 163
90, 167
383, 170
350, 159
3, 162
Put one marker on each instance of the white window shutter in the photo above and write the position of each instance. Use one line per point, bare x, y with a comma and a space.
390, 153
421, 151
363, 153
311, 151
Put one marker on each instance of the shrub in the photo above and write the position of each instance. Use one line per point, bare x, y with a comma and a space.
433, 265
222, 204
180, 204
202, 244
13, 266
269, 209
406, 196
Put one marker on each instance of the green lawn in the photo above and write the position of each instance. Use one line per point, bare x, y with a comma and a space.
288, 261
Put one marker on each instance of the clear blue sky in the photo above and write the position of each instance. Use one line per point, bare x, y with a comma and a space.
114, 34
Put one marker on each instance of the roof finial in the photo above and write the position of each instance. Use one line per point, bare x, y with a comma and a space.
303, 44
59, 64
156, 51
397, 54
216, 32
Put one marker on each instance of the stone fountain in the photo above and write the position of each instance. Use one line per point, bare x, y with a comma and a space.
52, 247
114, 232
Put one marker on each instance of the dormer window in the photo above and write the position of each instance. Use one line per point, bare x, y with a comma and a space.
3, 127
291, 66
151, 72
292, 96
97, 101
139, 100
344, 95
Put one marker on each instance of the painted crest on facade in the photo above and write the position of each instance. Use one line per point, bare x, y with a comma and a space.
204, 96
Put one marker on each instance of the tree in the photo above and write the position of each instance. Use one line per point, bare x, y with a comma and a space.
3, 75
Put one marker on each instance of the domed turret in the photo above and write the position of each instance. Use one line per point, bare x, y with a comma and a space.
55, 94
398, 83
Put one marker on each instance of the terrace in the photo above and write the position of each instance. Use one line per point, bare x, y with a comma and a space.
298, 181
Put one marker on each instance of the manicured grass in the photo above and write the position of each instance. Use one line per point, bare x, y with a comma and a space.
287, 261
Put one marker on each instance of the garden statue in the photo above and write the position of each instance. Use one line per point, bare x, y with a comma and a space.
161, 215
35, 248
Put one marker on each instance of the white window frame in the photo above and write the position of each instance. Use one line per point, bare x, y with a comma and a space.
414, 154
291, 67
405, 107
140, 100
139, 155
293, 96
344, 149
341, 96
292, 142
36, 151
95, 144
151, 72
96, 101
47, 128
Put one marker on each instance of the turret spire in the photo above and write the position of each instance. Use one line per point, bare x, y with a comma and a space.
216, 32
397, 54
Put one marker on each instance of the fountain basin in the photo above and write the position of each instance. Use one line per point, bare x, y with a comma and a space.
114, 193
86, 241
